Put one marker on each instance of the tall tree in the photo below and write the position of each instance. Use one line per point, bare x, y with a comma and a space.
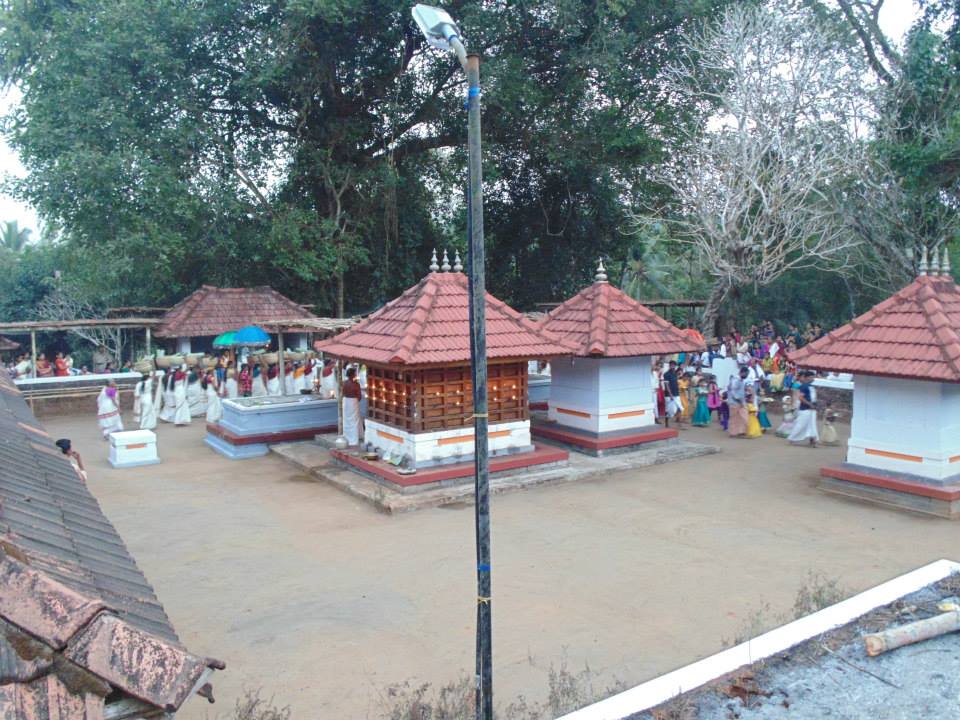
758, 186
304, 143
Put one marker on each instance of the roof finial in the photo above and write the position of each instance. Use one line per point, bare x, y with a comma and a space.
446, 262
433, 262
945, 266
924, 266
935, 263
601, 275
457, 262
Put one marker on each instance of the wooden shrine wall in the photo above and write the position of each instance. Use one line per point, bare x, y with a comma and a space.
431, 399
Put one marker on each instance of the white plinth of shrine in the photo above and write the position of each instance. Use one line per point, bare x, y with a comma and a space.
441, 447
601, 394
132, 448
906, 426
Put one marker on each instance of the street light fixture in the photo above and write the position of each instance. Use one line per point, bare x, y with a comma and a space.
441, 32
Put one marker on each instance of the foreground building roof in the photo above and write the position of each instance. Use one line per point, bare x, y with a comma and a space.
603, 321
429, 325
8, 344
81, 626
915, 334
212, 311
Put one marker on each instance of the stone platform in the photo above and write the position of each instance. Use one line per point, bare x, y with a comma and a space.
898, 490
317, 461
539, 459
250, 425
600, 444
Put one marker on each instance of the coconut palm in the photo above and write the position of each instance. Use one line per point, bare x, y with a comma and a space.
647, 269
13, 237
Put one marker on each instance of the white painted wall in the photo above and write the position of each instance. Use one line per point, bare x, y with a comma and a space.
914, 418
427, 450
183, 345
601, 388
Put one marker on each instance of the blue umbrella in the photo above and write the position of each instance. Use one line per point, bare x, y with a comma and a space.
251, 336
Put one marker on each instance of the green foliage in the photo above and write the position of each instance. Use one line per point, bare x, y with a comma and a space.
25, 279
13, 238
295, 141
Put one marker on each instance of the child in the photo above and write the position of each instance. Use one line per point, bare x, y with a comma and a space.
724, 412
829, 434
762, 411
701, 416
753, 424
786, 427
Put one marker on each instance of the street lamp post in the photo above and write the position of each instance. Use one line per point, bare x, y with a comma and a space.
441, 32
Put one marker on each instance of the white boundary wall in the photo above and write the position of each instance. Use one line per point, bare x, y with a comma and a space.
661, 689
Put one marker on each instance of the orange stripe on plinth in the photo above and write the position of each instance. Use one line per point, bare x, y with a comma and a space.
894, 456
576, 413
631, 413
388, 436
136, 446
469, 438
955, 458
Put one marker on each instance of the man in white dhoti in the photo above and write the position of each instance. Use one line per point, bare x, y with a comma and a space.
148, 411
352, 395
108, 410
181, 414
805, 403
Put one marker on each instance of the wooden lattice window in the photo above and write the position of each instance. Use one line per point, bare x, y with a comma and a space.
441, 398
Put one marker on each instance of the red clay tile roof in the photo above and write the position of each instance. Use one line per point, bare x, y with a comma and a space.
212, 311
53, 619
8, 344
914, 334
65, 579
605, 322
429, 324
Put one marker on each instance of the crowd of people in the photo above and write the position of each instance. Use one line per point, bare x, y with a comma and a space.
735, 379
181, 394
62, 365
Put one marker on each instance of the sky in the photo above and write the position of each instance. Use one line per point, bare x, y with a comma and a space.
895, 19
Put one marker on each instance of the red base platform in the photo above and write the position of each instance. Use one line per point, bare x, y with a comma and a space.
271, 437
909, 492
540, 455
582, 441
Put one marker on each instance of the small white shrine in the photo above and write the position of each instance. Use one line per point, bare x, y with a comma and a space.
606, 387
905, 357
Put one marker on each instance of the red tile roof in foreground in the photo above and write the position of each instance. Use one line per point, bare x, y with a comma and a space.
914, 334
81, 630
212, 311
429, 325
603, 321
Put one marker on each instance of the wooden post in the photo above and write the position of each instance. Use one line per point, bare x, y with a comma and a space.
283, 375
339, 372
33, 350
148, 340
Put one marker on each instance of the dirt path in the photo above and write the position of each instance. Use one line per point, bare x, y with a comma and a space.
320, 601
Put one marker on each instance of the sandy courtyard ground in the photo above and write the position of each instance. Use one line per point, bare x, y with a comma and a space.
323, 603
